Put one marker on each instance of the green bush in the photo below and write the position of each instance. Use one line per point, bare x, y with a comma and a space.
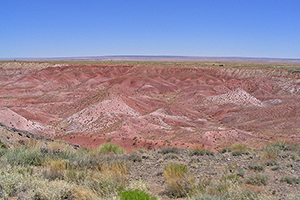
290, 180
235, 170
230, 177
271, 162
135, 195
58, 150
166, 150
258, 179
239, 153
2, 146
224, 150
293, 147
24, 156
201, 152
275, 168
280, 145
271, 152
238, 147
111, 148
135, 157
171, 156
109, 139
256, 167
2, 152
288, 154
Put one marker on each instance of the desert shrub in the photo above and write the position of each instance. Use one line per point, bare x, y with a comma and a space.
217, 188
238, 147
56, 150
112, 158
24, 156
271, 152
230, 177
115, 171
293, 148
138, 185
92, 159
58, 164
142, 151
290, 180
271, 162
166, 150
228, 187
171, 156
86, 161
136, 195
178, 181
2, 152
235, 170
221, 187
282, 150
53, 175
275, 168
110, 180
239, 153
256, 167
226, 149
258, 179
206, 197
237, 195
135, 157
288, 154
21, 183
109, 139
202, 184
56, 169
201, 152
234, 192
2, 146
75, 176
280, 145
111, 148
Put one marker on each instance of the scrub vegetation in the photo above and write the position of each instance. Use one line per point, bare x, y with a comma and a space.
55, 170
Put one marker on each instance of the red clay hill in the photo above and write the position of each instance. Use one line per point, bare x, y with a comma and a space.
151, 106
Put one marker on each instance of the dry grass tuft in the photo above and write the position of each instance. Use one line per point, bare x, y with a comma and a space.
178, 181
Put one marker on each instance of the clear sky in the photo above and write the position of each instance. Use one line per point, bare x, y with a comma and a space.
70, 28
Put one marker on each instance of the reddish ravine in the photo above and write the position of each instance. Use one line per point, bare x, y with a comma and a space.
145, 107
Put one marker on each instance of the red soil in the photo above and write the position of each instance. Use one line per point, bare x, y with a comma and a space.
152, 106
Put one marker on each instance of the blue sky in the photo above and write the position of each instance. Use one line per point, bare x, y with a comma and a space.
70, 28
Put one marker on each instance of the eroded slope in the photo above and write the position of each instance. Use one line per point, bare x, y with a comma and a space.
159, 105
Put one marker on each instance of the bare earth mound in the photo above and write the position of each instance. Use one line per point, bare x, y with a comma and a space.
151, 106
238, 97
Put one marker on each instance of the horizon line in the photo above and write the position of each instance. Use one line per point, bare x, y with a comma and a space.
153, 58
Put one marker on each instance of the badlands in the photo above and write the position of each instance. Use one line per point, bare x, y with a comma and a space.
146, 106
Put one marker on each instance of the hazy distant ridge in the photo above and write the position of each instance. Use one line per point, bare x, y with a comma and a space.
163, 58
